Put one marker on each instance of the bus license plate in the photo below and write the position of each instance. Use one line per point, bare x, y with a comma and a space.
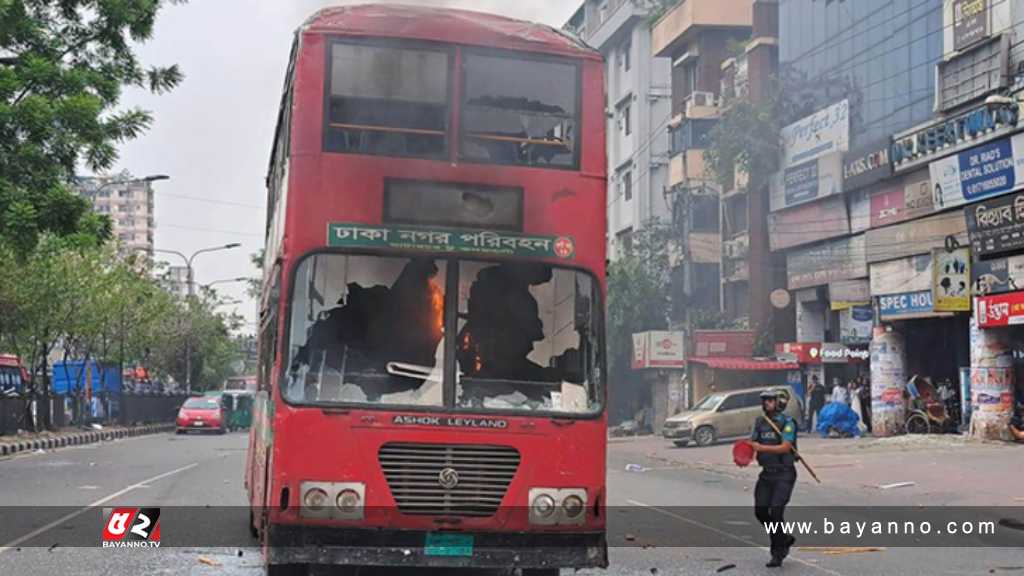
448, 544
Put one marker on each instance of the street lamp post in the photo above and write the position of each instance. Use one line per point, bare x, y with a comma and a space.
190, 271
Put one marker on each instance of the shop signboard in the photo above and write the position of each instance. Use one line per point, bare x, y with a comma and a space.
991, 169
841, 259
855, 324
719, 343
906, 200
799, 352
996, 226
806, 182
970, 22
866, 165
825, 131
912, 274
839, 353
911, 149
808, 223
997, 276
860, 211
658, 349
917, 237
951, 286
999, 310
849, 293
895, 306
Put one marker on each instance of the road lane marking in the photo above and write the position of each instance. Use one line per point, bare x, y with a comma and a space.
42, 530
729, 535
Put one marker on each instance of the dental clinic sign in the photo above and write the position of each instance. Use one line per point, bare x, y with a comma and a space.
820, 133
985, 171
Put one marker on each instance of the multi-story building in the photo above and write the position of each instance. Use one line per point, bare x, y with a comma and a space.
128, 203
714, 225
638, 110
176, 280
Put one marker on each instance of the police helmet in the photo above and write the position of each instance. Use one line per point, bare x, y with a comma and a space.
769, 394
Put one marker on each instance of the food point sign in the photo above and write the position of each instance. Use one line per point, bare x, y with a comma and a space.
658, 349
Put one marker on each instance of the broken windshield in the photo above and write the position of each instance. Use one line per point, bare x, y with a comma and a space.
371, 330
518, 111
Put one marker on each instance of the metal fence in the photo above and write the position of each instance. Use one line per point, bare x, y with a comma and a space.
59, 411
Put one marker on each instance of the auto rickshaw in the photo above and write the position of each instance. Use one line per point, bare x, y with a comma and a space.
237, 409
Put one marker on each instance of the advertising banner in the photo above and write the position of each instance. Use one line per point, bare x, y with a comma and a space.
970, 22
906, 201
913, 238
996, 226
984, 171
999, 310
913, 274
895, 306
841, 259
824, 131
808, 223
997, 276
855, 325
951, 287
807, 182
838, 353
658, 349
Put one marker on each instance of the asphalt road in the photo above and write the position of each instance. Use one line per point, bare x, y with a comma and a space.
47, 501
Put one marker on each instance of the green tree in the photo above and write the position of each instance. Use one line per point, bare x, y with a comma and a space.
64, 64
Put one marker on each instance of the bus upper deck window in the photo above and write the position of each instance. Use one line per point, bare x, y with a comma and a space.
387, 100
520, 111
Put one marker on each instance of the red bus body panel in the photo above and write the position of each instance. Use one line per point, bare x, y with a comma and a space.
289, 445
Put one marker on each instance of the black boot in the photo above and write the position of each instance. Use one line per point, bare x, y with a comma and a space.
790, 540
775, 562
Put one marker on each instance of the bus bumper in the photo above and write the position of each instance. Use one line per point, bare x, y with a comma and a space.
318, 545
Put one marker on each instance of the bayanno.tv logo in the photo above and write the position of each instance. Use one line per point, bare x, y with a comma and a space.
131, 527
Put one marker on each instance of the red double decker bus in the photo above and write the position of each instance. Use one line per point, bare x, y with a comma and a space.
431, 382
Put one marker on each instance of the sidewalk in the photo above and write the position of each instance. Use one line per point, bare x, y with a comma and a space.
944, 470
13, 444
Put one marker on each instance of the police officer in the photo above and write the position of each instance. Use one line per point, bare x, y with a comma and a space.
778, 469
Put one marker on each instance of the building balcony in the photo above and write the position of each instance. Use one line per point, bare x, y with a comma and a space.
674, 28
705, 248
619, 13
686, 169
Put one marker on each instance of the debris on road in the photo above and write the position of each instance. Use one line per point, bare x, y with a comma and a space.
55, 544
39, 451
208, 561
896, 485
96, 426
630, 538
725, 568
635, 468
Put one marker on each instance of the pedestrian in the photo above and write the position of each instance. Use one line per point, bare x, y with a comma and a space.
865, 401
778, 471
816, 403
840, 394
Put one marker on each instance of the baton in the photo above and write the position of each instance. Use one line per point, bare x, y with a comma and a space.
795, 453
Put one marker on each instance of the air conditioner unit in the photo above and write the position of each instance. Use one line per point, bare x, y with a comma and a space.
703, 99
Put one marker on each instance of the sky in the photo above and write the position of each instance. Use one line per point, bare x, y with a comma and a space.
212, 134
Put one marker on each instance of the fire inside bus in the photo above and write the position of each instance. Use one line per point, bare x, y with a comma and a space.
431, 385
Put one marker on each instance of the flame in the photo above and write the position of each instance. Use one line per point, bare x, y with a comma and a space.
467, 345
437, 306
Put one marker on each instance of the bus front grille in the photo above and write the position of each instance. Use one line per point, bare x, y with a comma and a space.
422, 482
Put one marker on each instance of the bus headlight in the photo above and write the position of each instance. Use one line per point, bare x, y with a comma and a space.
551, 506
348, 499
573, 506
315, 499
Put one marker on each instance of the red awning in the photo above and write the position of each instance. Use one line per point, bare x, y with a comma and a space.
745, 364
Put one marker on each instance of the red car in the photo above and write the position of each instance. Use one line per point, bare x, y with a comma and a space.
202, 413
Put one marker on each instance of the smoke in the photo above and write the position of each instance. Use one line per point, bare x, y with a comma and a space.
546, 11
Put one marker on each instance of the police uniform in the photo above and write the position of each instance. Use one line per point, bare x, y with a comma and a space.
777, 478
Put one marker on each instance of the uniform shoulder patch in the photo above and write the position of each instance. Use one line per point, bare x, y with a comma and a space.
789, 427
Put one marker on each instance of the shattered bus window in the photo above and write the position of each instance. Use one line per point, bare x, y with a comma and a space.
367, 329
520, 112
388, 100
527, 339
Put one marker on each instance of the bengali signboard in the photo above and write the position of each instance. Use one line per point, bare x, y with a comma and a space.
808, 223
996, 226
970, 22
895, 306
912, 274
916, 237
807, 182
991, 169
999, 310
824, 131
345, 235
718, 343
951, 287
997, 276
866, 165
659, 349
904, 201
841, 259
